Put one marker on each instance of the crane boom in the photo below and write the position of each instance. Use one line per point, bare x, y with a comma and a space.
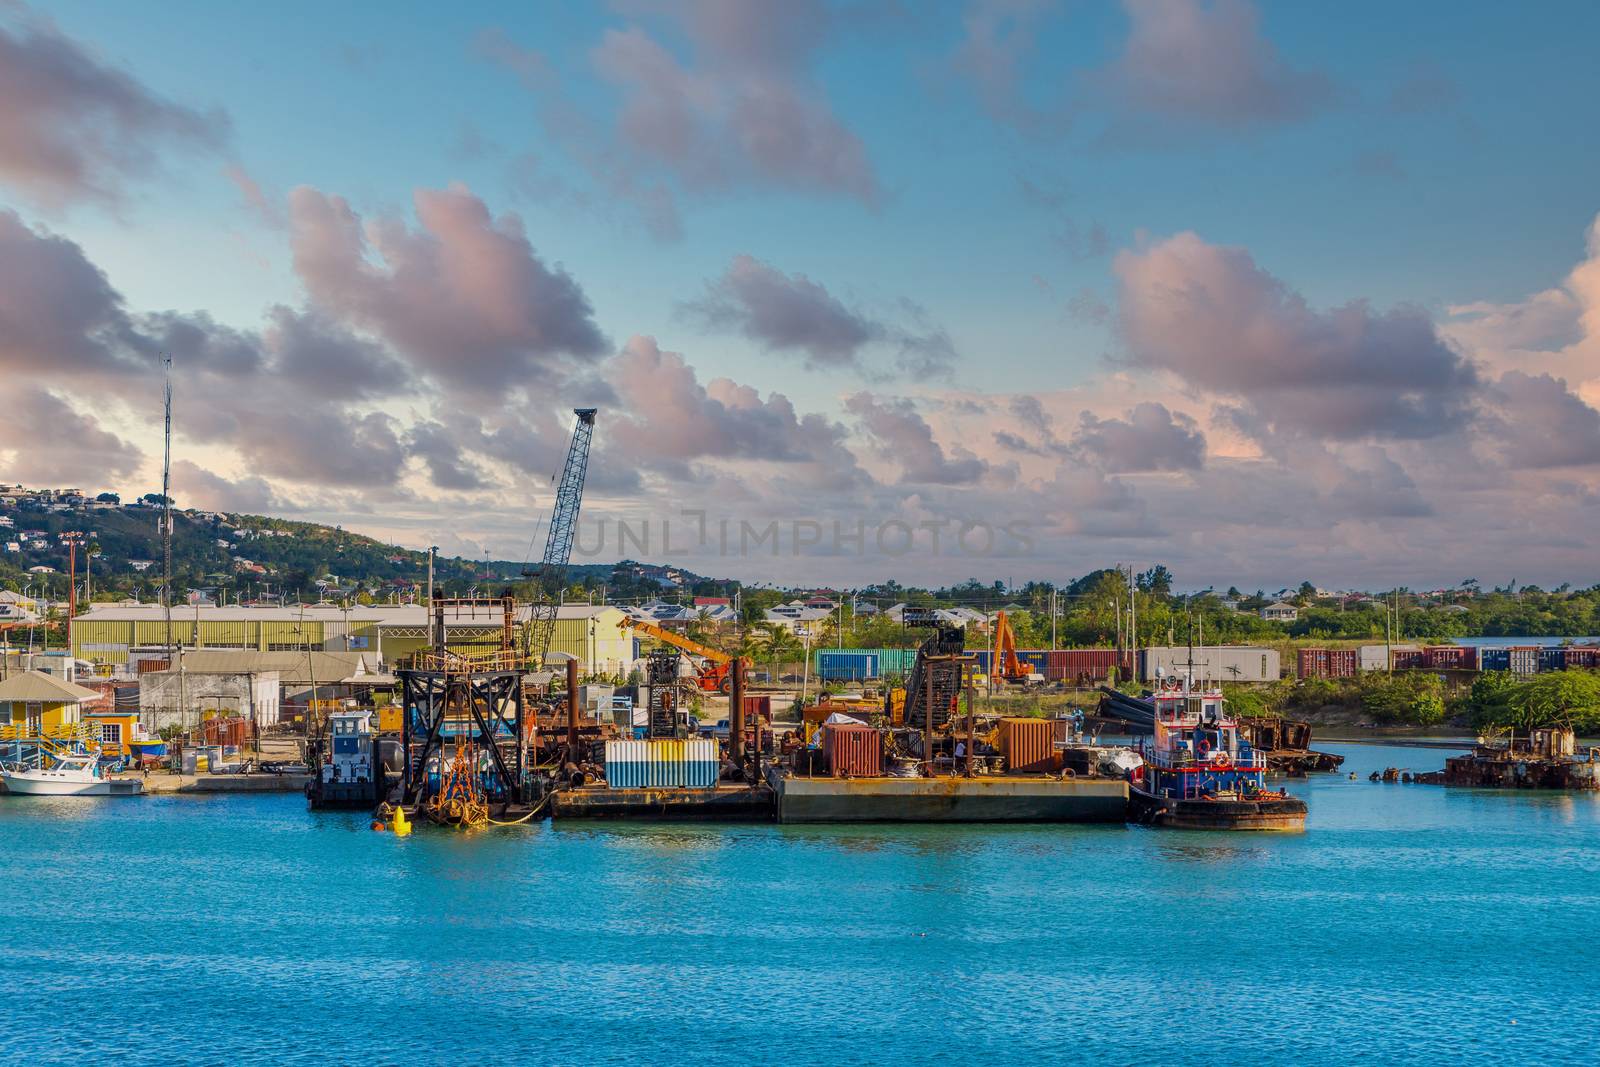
689, 645
552, 572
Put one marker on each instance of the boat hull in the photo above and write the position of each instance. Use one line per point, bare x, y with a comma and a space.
1279, 814
33, 785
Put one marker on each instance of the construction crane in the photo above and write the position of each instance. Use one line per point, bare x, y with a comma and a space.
715, 675
552, 571
1005, 665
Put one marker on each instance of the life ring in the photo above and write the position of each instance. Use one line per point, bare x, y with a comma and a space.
1219, 759
1205, 748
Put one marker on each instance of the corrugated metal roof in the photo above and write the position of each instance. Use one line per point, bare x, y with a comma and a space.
37, 685
326, 668
383, 614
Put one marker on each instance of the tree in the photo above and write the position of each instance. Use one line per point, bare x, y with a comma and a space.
1157, 580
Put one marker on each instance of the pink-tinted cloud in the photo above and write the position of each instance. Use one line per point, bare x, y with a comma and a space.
1192, 63
58, 311
904, 437
1210, 315
263, 207
999, 41
464, 296
791, 313
1148, 438
1543, 423
44, 440
74, 128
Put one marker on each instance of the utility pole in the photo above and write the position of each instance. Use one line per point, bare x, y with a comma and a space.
429, 611
1052, 619
166, 509
71, 538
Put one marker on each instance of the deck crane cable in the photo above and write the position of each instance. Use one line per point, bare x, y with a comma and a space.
552, 569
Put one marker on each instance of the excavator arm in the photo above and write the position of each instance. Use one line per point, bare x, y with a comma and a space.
715, 675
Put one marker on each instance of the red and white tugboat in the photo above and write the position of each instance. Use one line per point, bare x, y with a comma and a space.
1199, 774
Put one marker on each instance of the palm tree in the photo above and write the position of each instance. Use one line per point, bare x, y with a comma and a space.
773, 642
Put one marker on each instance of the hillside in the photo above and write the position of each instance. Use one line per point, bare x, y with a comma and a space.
242, 556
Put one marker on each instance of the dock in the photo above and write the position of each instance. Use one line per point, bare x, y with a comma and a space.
1010, 798
222, 783
723, 803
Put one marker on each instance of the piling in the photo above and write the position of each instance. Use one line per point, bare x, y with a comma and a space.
736, 715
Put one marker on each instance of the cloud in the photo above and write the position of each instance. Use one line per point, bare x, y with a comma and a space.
791, 313
44, 440
195, 486
1150, 438
441, 453
465, 297
1543, 424
741, 111
904, 436
999, 38
58, 311
1192, 64
73, 128
1208, 314
666, 418
265, 208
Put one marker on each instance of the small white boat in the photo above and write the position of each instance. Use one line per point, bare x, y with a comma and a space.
70, 776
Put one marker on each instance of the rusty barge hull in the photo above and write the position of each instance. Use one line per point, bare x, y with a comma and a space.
952, 800
720, 804
1287, 814
1527, 772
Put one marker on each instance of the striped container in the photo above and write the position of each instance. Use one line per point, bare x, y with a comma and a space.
663, 764
846, 665
1028, 745
854, 751
1524, 659
1342, 663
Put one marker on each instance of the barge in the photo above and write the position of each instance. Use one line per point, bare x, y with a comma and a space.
996, 798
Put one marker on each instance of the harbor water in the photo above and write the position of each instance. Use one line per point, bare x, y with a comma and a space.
1408, 924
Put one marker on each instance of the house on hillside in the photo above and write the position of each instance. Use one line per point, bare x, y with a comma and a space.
1280, 611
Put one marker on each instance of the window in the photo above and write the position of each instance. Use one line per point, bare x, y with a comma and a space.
34, 712
111, 733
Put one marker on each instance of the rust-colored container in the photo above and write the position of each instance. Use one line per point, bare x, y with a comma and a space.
1082, 665
1343, 662
229, 733
759, 704
1581, 657
1312, 663
853, 751
1028, 746
146, 666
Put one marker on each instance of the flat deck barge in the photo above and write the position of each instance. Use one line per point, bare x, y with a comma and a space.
1009, 798
724, 803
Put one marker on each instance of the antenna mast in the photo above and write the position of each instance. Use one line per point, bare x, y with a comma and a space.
166, 505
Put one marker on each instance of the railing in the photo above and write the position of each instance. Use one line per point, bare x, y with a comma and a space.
499, 660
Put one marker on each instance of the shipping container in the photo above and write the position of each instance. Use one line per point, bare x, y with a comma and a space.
1084, 665
853, 750
1311, 662
846, 665
1214, 663
1342, 663
757, 705
1524, 659
1552, 658
1409, 659
1580, 657
1028, 746
1450, 658
1495, 659
663, 764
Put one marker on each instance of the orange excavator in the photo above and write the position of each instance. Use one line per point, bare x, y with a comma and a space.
1005, 666
713, 675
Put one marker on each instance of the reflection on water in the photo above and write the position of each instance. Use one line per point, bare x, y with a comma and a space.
1218, 852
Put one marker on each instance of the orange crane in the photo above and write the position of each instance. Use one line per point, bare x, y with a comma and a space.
1005, 665
715, 675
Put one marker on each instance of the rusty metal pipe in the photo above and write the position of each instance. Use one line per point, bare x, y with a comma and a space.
736, 713
572, 708
927, 721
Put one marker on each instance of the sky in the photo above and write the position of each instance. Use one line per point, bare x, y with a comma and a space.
1005, 289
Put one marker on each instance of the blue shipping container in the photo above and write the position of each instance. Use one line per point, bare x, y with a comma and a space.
835, 665
1552, 658
1496, 659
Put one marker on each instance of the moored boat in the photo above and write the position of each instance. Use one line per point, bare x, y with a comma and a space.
70, 775
1200, 774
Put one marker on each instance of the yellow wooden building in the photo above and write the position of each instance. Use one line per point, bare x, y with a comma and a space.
35, 704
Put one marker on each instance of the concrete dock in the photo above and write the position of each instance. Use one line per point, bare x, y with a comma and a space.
224, 783
1009, 798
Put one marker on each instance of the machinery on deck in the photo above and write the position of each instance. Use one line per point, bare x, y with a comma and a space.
935, 679
715, 675
552, 570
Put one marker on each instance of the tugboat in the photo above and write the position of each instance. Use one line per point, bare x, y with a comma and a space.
1199, 774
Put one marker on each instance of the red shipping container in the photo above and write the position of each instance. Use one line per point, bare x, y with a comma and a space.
1343, 663
1312, 663
1580, 657
1408, 659
1028, 746
760, 704
853, 750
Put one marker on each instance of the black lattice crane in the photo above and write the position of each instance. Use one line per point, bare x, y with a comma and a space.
552, 571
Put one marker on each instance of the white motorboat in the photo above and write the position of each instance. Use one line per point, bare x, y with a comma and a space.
71, 775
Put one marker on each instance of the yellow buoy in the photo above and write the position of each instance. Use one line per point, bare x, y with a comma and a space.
402, 825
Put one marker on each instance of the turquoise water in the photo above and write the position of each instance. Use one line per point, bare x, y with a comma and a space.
1408, 924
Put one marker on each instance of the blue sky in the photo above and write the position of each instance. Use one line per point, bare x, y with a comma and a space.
1419, 155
